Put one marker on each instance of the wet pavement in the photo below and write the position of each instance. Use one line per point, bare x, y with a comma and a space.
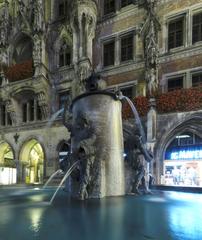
25, 214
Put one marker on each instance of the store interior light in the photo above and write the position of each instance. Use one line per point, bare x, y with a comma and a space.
183, 136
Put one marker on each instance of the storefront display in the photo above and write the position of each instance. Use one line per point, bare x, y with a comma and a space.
183, 162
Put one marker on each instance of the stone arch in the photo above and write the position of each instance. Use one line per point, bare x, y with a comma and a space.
8, 171
63, 148
22, 42
64, 38
32, 159
191, 123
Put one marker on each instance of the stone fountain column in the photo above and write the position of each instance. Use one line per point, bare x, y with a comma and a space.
101, 112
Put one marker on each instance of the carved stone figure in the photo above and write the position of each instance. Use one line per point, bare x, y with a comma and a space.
152, 81
37, 49
137, 157
86, 156
149, 34
38, 16
42, 101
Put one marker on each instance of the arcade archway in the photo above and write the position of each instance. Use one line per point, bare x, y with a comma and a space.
32, 161
7, 165
183, 161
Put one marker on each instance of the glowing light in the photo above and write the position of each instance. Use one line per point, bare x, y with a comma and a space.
186, 154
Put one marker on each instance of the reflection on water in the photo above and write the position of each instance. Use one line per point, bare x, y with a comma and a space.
186, 221
35, 218
163, 216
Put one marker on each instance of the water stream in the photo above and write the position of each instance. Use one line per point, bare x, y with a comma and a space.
70, 170
51, 177
137, 118
54, 117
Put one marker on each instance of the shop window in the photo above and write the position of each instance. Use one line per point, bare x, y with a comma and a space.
176, 33
197, 80
197, 28
65, 55
109, 6
109, 53
175, 83
127, 48
63, 98
125, 3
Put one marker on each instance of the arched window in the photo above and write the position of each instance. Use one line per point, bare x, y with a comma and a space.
23, 49
64, 55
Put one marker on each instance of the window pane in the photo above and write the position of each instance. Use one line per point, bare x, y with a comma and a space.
109, 6
64, 97
31, 110
175, 33
197, 80
24, 112
197, 28
175, 83
127, 91
126, 2
127, 48
109, 54
3, 115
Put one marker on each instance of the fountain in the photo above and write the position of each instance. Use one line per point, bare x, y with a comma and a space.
95, 123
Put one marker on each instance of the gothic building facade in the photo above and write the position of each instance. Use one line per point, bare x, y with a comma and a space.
49, 47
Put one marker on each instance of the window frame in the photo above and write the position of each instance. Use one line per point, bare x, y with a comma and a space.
175, 77
184, 38
122, 36
196, 73
111, 40
195, 11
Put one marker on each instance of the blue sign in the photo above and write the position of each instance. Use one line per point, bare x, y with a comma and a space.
186, 153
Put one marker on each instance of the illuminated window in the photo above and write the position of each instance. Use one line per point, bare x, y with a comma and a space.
109, 53
197, 28
176, 33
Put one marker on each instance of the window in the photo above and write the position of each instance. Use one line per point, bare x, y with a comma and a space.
197, 28
62, 7
65, 56
175, 83
109, 6
196, 79
5, 118
109, 53
64, 97
31, 111
176, 33
127, 91
126, 2
127, 48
